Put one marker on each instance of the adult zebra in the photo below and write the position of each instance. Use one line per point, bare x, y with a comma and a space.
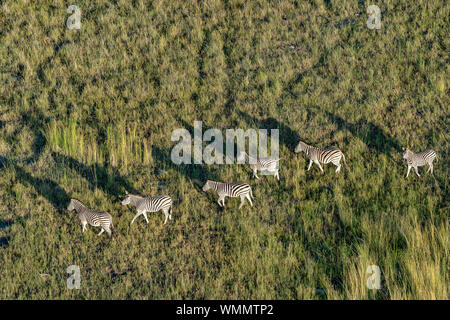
91, 217
415, 160
149, 204
261, 164
232, 189
319, 156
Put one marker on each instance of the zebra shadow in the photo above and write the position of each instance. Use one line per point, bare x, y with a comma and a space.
47, 188
51, 191
5, 223
4, 241
39, 141
197, 174
372, 135
212, 173
105, 177
288, 137
323, 251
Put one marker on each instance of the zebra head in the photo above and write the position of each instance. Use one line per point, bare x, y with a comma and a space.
127, 200
300, 147
71, 206
207, 185
241, 156
407, 153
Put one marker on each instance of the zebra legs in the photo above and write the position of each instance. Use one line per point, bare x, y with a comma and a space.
276, 175
84, 226
145, 216
108, 231
254, 173
137, 215
221, 198
166, 214
242, 201
249, 200
409, 169
430, 167
338, 165
415, 169
318, 163
144, 213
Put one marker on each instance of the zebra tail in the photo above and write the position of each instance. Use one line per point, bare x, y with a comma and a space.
345, 163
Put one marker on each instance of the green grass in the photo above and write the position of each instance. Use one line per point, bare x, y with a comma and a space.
89, 114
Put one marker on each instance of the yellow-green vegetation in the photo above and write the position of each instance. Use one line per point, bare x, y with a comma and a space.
89, 113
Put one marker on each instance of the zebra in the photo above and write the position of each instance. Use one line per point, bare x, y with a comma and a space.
269, 164
92, 217
232, 189
324, 156
419, 159
149, 204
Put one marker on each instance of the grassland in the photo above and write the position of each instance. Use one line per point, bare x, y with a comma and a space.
88, 114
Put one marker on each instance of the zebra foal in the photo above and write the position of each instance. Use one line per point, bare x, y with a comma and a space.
324, 156
91, 217
232, 189
149, 204
268, 164
415, 160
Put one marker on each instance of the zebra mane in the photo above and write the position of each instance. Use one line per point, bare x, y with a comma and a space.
304, 143
407, 154
134, 195
134, 198
77, 202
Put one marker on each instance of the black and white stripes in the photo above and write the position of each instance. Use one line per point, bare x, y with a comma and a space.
319, 156
261, 164
149, 204
91, 217
232, 189
415, 160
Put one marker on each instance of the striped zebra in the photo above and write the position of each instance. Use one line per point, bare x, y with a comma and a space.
415, 160
268, 164
92, 217
149, 204
232, 189
319, 156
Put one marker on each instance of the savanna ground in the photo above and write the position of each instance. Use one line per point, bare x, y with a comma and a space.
89, 114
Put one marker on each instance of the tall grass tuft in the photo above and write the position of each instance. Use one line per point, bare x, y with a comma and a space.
124, 144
